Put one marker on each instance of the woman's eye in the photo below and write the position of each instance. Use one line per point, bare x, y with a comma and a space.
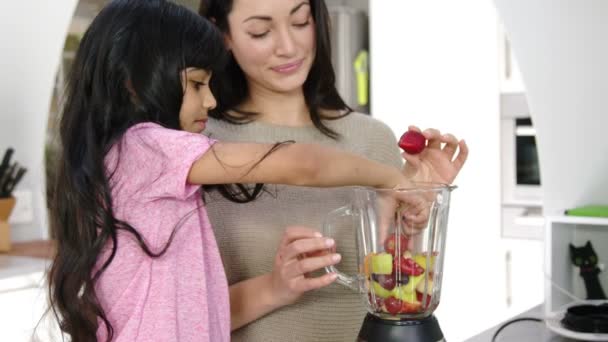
258, 35
198, 85
304, 24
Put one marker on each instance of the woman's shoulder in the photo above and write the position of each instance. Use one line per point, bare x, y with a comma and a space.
365, 123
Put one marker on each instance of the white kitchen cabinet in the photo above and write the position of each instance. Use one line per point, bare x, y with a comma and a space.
511, 80
523, 275
23, 301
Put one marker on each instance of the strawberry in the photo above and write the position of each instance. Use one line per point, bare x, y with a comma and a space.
393, 305
390, 245
412, 142
420, 298
408, 266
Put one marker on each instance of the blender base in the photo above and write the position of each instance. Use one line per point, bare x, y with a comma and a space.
375, 329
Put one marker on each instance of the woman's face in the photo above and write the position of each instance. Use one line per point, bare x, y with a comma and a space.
273, 41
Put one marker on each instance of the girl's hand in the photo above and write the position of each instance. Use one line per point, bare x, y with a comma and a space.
302, 250
436, 163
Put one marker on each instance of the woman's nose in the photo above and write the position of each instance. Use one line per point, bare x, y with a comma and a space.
285, 43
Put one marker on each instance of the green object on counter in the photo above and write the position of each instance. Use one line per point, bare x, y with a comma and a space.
589, 210
362, 73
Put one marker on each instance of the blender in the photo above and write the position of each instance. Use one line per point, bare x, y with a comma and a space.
400, 243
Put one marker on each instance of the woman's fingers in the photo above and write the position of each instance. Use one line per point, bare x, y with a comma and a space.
433, 137
451, 145
463, 153
300, 247
303, 266
309, 284
293, 233
414, 128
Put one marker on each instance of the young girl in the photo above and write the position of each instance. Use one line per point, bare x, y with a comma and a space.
136, 258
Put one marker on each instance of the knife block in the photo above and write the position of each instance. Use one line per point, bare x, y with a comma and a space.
6, 207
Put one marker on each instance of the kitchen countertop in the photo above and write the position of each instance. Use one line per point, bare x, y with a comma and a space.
523, 331
21, 273
36, 249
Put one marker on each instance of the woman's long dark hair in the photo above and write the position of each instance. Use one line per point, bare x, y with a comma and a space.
126, 71
231, 88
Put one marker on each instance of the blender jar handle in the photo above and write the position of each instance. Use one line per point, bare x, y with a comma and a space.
351, 282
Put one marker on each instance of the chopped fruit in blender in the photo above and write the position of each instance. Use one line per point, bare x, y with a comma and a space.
386, 281
408, 266
378, 302
404, 294
382, 263
412, 142
393, 305
420, 298
380, 291
390, 245
367, 265
410, 287
402, 279
421, 260
408, 307
429, 286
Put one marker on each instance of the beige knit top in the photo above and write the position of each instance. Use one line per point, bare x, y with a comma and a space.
248, 234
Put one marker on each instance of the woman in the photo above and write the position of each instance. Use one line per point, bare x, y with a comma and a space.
279, 86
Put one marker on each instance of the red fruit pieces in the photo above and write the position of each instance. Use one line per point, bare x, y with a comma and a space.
412, 142
386, 281
393, 305
420, 298
408, 266
390, 244
377, 303
410, 308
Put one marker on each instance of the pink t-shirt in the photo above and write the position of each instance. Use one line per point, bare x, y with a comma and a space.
182, 295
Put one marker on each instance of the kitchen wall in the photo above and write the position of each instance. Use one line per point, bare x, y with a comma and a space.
32, 35
562, 54
434, 63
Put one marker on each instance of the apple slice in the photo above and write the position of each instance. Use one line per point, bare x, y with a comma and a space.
429, 288
380, 291
382, 263
420, 259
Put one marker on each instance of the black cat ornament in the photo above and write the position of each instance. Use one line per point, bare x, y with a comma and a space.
585, 258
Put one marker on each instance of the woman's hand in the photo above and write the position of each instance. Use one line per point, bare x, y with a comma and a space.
436, 163
302, 250
413, 207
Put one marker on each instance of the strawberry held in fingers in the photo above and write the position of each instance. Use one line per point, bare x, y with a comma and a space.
412, 142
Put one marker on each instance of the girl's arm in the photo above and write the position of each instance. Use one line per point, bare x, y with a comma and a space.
293, 164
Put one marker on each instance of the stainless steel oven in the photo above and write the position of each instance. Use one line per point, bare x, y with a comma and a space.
521, 182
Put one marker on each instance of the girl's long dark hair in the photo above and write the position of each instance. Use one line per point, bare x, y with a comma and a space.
127, 70
231, 88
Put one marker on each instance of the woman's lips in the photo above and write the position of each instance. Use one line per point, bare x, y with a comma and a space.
288, 68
